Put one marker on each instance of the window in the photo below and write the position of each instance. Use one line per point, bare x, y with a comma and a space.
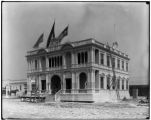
60, 60
82, 54
50, 62
82, 58
108, 61
108, 82
113, 62
122, 84
126, 66
79, 58
102, 58
118, 63
122, 65
86, 57
36, 65
102, 82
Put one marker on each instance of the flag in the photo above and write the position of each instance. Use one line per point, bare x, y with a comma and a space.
63, 34
40, 39
51, 35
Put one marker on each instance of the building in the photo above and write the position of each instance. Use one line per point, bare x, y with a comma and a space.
16, 86
79, 71
142, 90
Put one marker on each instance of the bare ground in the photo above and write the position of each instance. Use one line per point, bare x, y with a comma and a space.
14, 108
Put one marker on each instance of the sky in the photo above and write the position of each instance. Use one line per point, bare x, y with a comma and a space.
24, 22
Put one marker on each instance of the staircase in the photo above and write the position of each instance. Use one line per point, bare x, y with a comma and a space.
53, 98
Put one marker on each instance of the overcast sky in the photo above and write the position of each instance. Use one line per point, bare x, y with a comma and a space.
24, 22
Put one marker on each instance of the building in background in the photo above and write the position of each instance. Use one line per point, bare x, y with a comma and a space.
78, 71
16, 87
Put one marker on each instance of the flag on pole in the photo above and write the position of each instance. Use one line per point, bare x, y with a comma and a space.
51, 35
63, 34
40, 39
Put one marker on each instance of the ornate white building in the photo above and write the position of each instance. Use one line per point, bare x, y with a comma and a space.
79, 71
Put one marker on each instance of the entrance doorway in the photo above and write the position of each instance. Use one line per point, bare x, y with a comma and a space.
55, 84
83, 82
68, 85
43, 85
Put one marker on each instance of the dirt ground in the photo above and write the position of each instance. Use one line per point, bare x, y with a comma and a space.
14, 108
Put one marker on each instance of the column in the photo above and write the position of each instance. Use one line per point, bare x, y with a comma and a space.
64, 82
73, 58
77, 81
120, 83
64, 61
39, 82
99, 58
105, 59
47, 82
92, 80
105, 82
39, 64
92, 55
47, 63
49, 79
28, 85
124, 84
73, 82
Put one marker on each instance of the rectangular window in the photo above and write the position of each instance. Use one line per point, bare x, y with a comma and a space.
86, 57
108, 61
79, 58
50, 62
102, 82
102, 58
122, 84
36, 65
118, 63
113, 62
122, 65
60, 60
126, 66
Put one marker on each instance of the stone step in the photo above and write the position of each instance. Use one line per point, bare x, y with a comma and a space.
50, 98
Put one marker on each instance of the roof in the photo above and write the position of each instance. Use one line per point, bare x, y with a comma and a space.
77, 44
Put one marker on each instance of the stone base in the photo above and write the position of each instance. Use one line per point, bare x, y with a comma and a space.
102, 96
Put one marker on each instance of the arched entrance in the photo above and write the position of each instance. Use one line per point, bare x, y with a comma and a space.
82, 80
55, 84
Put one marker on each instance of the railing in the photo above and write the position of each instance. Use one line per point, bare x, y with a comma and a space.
57, 96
